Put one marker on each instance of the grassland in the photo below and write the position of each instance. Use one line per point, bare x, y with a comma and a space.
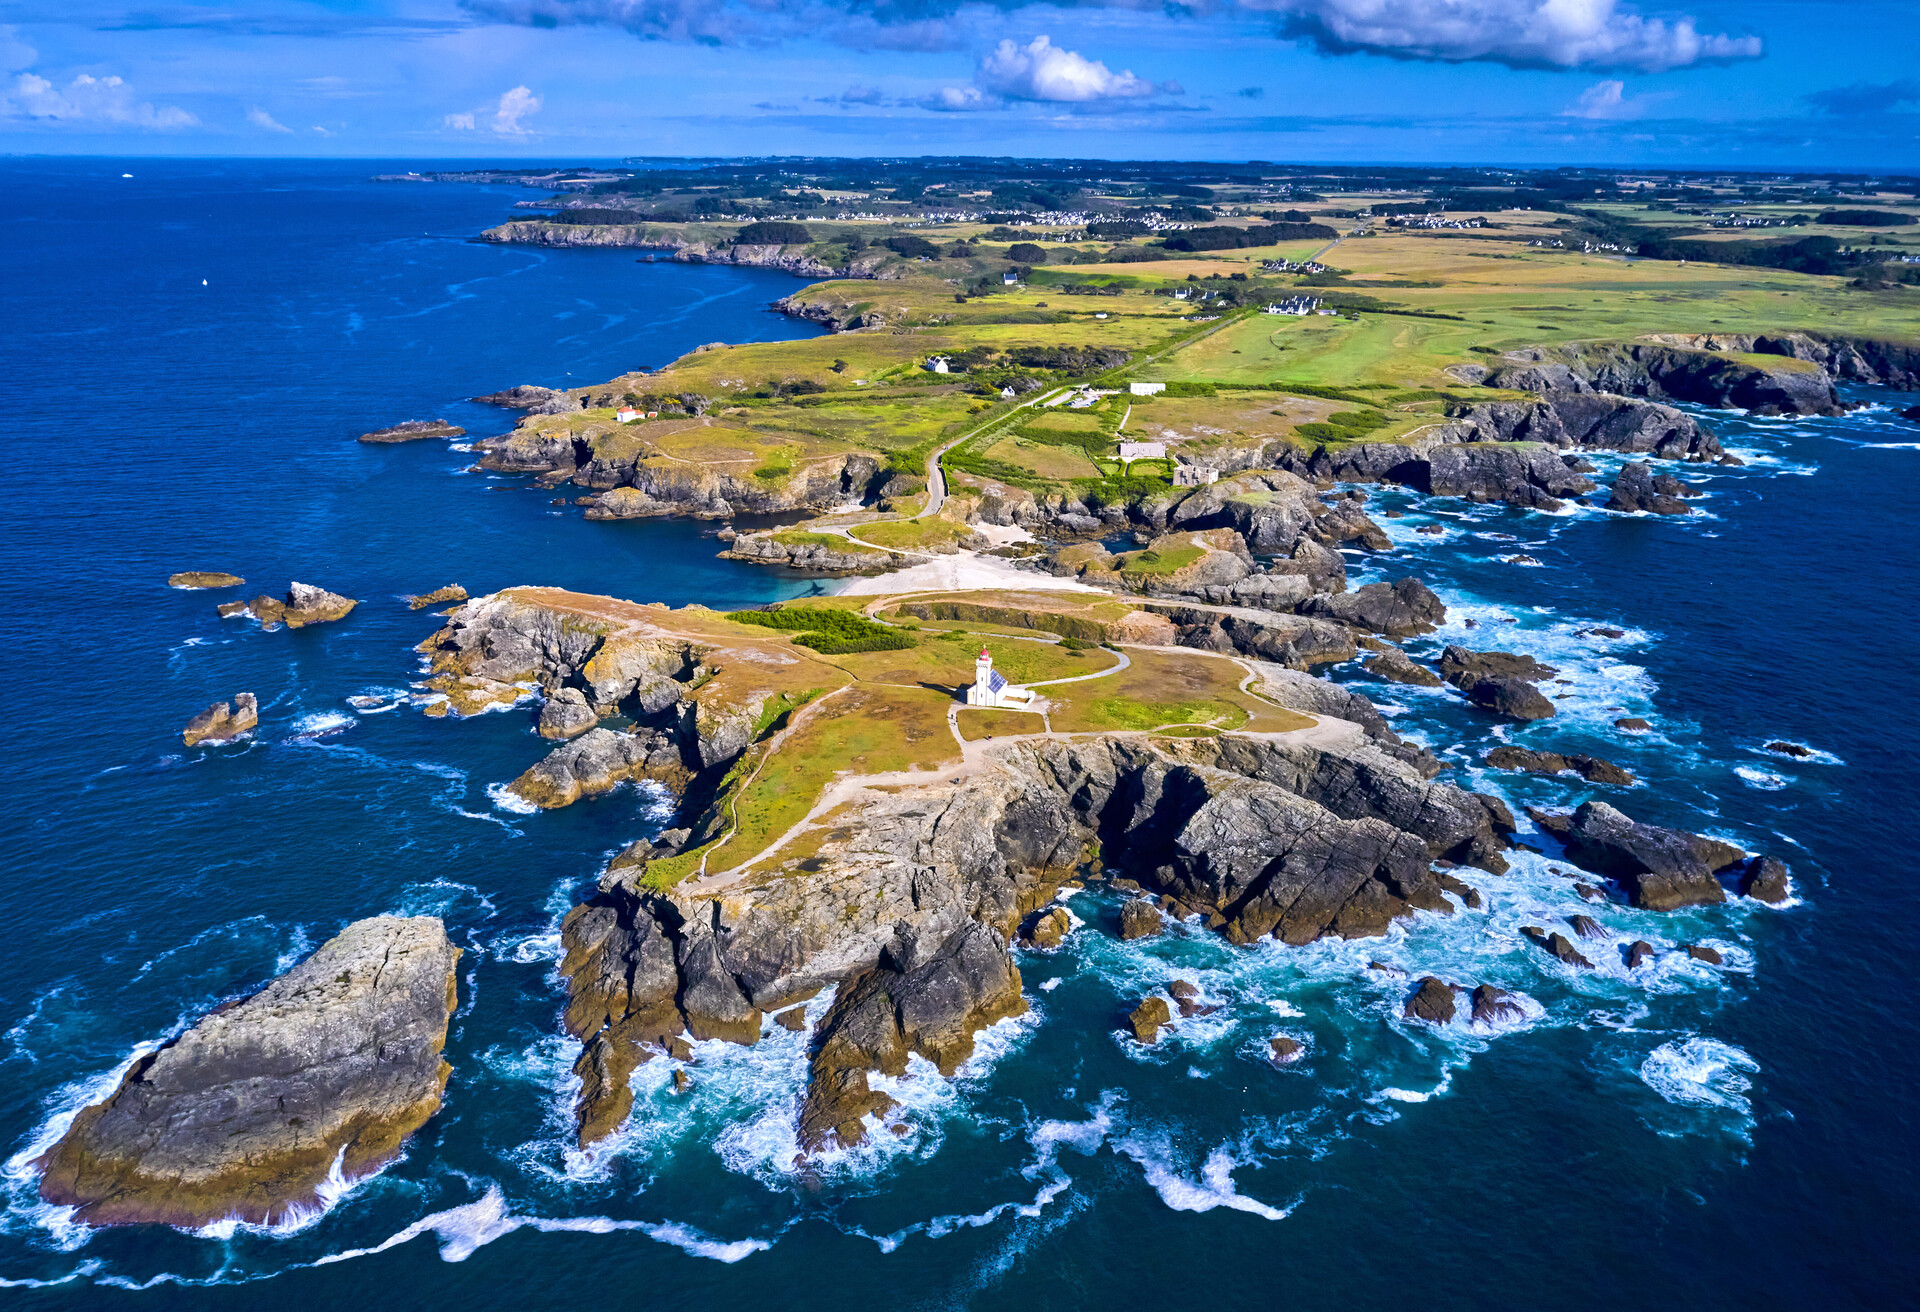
1161, 688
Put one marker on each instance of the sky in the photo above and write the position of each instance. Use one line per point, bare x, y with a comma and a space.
1761, 84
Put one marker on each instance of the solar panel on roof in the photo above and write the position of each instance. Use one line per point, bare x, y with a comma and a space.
996, 682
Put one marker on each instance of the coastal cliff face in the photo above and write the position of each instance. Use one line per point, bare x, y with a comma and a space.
326, 1071
787, 259
1789, 373
1262, 839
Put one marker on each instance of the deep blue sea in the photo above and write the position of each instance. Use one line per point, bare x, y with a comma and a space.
191, 351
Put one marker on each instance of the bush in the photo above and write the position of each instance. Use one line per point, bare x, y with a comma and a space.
1225, 239
912, 247
829, 632
768, 232
1865, 218
1026, 253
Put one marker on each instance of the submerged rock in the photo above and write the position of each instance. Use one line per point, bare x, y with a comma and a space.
1797, 750
1283, 1050
245, 1115
1639, 489
221, 722
1702, 953
1638, 953
194, 580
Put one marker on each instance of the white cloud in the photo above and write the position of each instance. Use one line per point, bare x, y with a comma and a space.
458, 122
322, 131
261, 119
1527, 33
1522, 33
15, 54
960, 100
1601, 100
515, 105
1040, 70
89, 99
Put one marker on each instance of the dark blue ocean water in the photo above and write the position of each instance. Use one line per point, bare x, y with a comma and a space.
1697, 1137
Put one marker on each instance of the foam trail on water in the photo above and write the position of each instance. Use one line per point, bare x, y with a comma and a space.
466, 1229
1214, 1188
1701, 1072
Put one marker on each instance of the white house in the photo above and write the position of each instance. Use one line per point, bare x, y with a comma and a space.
1194, 476
1132, 451
1007, 393
937, 364
990, 687
626, 414
1010, 279
1146, 389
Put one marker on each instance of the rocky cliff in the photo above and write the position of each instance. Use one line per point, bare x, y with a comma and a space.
907, 901
327, 1069
642, 236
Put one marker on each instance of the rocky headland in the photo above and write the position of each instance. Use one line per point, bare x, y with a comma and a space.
322, 1074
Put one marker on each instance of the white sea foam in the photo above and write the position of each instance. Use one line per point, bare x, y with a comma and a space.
1213, 1188
1701, 1072
503, 796
465, 1229
1765, 780
320, 724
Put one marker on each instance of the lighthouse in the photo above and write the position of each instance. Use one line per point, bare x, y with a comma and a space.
990, 687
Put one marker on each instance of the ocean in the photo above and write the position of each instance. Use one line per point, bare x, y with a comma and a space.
193, 350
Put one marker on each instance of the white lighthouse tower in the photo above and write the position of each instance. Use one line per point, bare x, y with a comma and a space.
990, 687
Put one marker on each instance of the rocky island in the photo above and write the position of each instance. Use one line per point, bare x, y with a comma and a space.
322, 1075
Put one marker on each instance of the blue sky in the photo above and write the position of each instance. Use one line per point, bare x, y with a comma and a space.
1763, 84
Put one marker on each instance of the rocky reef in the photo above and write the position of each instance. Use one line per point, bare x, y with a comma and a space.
322, 1074
414, 430
195, 580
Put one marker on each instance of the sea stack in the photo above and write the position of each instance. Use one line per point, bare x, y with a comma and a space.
247, 1114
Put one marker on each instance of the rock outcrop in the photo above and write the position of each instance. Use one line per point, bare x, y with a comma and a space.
413, 430
438, 597
1405, 609
599, 761
223, 722
1661, 869
1639, 489
1149, 1018
566, 715
304, 604
1498, 681
1139, 918
194, 580
335, 1063
1395, 666
1591, 768
1431, 1002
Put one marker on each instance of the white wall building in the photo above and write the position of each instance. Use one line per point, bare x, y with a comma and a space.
1146, 389
990, 687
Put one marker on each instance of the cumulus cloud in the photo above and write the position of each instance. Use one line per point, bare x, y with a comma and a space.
509, 114
1598, 34
515, 105
89, 100
261, 119
1865, 98
1040, 70
1520, 33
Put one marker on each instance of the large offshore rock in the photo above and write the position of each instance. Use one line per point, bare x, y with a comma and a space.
247, 1113
1638, 489
1519, 473
304, 604
1661, 869
195, 580
223, 722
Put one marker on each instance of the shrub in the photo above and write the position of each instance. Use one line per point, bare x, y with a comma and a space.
1026, 253
912, 247
769, 232
829, 632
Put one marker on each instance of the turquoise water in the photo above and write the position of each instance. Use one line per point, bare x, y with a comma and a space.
1699, 1136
